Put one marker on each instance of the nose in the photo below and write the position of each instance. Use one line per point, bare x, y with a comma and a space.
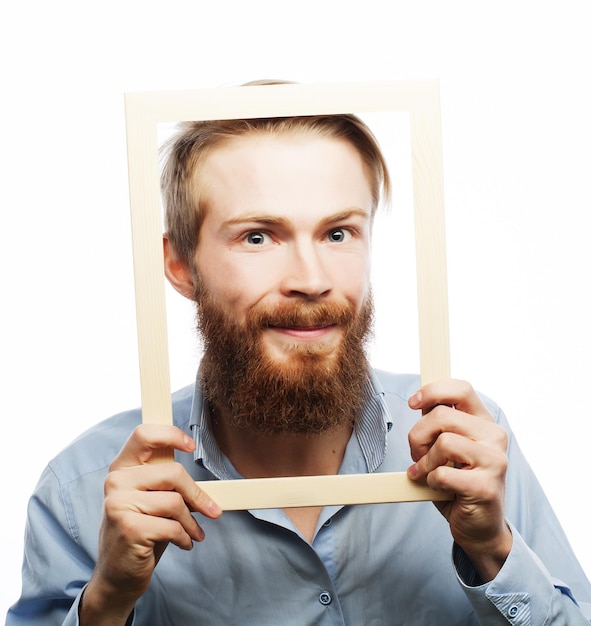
305, 274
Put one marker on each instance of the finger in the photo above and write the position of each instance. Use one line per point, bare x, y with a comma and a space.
460, 452
145, 439
167, 477
454, 393
157, 510
478, 483
443, 419
145, 532
466, 483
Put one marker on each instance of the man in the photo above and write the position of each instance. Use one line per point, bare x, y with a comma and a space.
268, 231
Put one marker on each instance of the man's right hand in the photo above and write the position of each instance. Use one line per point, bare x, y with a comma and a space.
146, 507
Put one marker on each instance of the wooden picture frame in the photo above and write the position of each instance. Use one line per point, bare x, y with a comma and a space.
144, 111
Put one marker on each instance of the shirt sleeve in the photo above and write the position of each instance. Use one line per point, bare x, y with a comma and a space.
522, 594
55, 567
529, 590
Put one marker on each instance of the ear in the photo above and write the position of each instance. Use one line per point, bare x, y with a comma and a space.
177, 271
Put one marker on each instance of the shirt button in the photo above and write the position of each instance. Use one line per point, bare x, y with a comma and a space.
325, 598
513, 610
327, 523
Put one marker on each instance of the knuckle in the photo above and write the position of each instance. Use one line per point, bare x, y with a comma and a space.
503, 464
175, 472
112, 512
438, 478
502, 438
108, 508
465, 388
176, 503
111, 482
446, 441
171, 476
439, 411
138, 434
179, 472
498, 438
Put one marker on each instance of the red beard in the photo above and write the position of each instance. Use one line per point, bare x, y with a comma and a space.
312, 390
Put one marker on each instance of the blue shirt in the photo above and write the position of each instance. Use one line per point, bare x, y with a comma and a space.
392, 564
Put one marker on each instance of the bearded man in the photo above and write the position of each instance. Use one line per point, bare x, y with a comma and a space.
268, 231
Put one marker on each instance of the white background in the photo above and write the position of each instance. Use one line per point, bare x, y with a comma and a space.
515, 87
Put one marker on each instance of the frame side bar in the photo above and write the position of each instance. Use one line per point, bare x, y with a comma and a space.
146, 230
427, 155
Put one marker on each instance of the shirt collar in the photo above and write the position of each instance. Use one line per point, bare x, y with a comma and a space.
370, 429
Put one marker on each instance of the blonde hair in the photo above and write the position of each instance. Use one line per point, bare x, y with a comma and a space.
183, 204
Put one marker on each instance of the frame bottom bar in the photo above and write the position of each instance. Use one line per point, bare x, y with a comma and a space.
304, 491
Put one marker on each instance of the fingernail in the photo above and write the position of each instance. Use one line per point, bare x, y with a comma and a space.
415, 399
412, 471
214, 508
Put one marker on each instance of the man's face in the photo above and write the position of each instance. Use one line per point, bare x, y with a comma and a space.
282, 266
288, 220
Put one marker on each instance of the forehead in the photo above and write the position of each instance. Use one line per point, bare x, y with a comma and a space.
283, 170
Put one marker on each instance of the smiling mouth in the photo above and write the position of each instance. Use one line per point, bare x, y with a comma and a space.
304, 332
302, 328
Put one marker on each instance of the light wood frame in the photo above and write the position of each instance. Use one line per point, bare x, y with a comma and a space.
144, 111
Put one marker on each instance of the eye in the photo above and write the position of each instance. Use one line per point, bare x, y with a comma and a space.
339, 235
257, 238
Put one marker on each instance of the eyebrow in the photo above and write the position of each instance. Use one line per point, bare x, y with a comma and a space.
275, 220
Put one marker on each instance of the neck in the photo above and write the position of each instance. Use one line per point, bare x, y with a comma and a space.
256, 455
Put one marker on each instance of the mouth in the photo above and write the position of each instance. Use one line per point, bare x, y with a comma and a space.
304, 332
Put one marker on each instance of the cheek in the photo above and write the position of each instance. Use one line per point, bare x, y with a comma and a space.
235, 285
354, 279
